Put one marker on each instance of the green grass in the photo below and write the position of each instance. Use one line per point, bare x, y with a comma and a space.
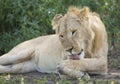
52, 79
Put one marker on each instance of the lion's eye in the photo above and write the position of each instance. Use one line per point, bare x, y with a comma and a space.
73, 32
61, 36
81, 50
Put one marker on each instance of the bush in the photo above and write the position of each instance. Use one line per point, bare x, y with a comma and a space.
25, 19
22, 20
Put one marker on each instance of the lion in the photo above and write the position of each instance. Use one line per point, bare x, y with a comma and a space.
79, 46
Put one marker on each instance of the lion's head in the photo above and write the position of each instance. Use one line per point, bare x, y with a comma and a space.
73, 30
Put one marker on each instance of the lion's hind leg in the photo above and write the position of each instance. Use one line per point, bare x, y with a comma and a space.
18, 68
13, 58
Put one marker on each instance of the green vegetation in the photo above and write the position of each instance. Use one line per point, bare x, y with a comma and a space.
9, 79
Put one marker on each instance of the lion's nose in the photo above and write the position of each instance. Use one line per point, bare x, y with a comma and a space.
70, 50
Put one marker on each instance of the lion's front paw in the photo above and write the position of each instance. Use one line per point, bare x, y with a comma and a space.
86, 76
64, 69
61, 71
60, 67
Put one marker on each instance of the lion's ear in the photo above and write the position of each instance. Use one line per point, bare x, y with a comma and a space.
84, 13
56, 20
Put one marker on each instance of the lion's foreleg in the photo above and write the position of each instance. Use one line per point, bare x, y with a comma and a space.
69, 72
76, 67
92, 66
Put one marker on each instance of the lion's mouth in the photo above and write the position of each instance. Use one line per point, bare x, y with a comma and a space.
77, 56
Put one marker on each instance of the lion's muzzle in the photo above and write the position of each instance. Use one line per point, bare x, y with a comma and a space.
78, 56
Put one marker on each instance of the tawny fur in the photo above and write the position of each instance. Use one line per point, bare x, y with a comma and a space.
89, 30
47, 53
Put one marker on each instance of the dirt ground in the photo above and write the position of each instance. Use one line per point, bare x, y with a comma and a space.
114, 75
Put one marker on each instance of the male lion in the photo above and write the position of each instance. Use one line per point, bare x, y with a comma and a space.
79, 45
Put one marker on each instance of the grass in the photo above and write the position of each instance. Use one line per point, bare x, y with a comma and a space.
52, 79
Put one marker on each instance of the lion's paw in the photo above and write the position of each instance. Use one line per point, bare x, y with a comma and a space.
63, 69
86, 76
60, 68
